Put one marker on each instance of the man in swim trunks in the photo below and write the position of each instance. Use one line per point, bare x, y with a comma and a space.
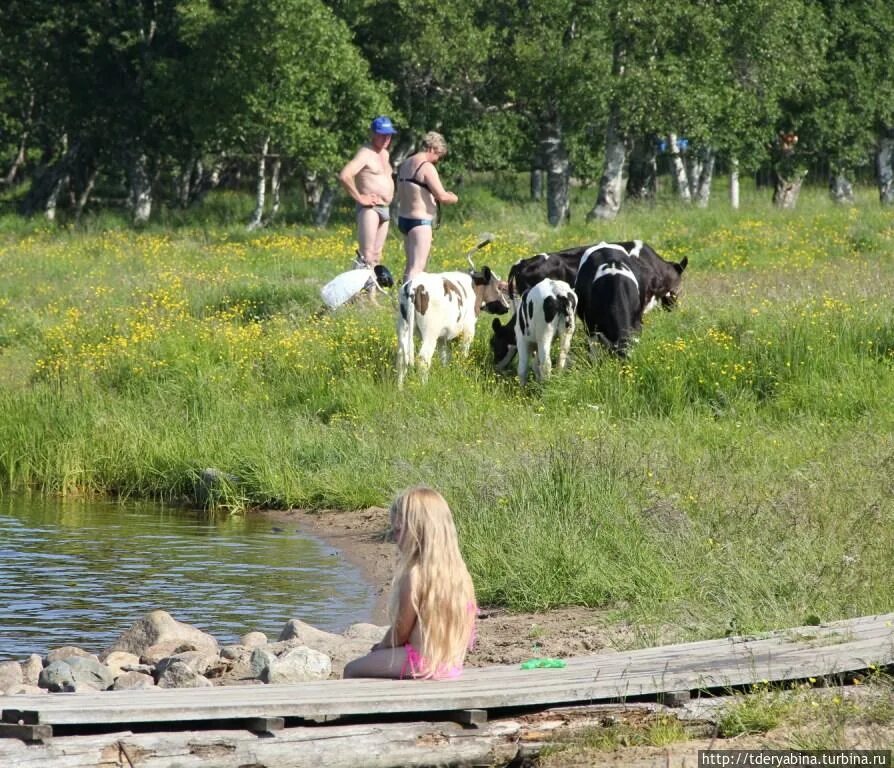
368, 179
419, 192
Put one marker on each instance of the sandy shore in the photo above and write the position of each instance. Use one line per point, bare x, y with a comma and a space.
503, 637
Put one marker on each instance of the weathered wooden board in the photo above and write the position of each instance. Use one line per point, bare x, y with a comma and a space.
826, 650
394, 745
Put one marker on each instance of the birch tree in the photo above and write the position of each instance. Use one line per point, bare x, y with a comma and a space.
850, 117
285, 80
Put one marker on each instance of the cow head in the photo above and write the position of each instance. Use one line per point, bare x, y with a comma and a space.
490, 292
671, 293
502, 343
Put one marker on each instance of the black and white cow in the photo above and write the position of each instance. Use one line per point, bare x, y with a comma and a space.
544, 312
441, 307
611, 299
661, 278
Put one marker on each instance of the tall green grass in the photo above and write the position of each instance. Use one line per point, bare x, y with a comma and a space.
734, 474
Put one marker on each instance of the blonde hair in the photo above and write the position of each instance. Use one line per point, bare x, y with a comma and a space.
434, 142
443, 595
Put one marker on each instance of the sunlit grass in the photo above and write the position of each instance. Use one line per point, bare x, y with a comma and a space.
735, 472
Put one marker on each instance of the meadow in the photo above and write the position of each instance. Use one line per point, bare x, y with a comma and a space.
735, 474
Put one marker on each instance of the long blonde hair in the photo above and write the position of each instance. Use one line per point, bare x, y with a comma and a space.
443, 595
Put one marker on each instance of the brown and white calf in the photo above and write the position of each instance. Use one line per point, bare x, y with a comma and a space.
441, 307
544, 312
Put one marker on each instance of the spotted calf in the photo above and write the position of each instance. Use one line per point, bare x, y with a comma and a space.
544, 312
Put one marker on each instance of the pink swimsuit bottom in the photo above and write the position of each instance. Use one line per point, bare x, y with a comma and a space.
416, 664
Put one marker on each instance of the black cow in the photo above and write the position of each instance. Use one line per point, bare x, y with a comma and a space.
611, 294
661, 278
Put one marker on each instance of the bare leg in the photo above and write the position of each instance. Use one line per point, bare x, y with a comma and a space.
386, 662
368, 234
417, 246
378, 244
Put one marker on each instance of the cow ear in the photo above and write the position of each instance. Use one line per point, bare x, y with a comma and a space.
682, 265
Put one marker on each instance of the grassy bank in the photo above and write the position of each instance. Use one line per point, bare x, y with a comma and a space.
735, 474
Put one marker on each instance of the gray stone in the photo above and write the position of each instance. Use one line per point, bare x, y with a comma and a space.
57, 677
197, 661
212, 486
88, 671
116, 661
233, 652
254, 639
355, 642
27, 689
67, 652
368, 633
261, 659
131, 681
31, 669
145, 669
10, 675
295, 629
160, 628
298, 665
179, 675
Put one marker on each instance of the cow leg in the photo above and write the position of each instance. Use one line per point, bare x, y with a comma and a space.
445, 352
404, 351
426, 353
565, 345
544, 345
524, 353
466, 339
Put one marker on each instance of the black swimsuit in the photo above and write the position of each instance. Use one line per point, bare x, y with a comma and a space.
403, 223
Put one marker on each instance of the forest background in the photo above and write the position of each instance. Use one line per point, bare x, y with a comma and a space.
734, 475
157, 102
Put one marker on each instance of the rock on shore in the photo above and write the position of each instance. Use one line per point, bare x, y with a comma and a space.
160, 651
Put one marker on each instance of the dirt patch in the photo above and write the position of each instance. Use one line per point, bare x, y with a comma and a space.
503, 637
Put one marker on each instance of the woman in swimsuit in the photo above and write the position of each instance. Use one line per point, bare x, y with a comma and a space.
419, 193
432, 605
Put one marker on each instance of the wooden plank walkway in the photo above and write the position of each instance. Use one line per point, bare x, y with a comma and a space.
817, 651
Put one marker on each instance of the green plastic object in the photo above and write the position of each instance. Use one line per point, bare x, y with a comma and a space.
543, 664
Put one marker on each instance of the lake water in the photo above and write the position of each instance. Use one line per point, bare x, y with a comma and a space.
76, 573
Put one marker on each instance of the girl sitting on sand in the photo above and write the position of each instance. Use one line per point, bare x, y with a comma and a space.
432, 604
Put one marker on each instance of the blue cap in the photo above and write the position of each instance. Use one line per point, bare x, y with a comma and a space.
382, 125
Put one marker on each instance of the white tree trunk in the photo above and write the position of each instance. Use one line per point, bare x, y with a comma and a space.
885, 170
140, 189
323, 207
785, 195
53, 198
558, 174
260, 195
841, 190
734, 183
275, 181
679, 168
85, 192
611, 184
705, 178
536, 184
